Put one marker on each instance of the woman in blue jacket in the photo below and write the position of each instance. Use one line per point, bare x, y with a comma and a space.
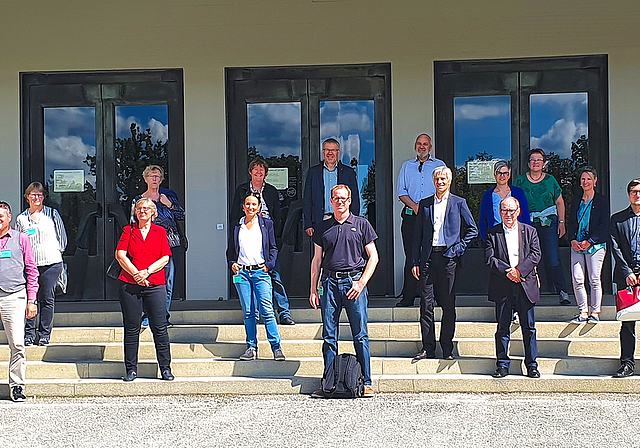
588, 231
251, 253
490, 204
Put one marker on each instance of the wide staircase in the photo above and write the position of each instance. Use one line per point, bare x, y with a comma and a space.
85, 355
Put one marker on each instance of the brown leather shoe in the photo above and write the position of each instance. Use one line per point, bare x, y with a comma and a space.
368, 392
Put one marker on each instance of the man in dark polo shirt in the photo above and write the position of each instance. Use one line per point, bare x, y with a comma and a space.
345, 250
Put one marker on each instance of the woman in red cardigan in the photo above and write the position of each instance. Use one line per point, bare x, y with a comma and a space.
143, 252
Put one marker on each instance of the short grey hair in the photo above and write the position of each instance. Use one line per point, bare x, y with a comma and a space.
501, 164
442, 170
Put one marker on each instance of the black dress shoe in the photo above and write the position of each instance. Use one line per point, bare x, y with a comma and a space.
624, 371
402, 303
422, 355
287, 321
130, 376
500, 372
167, 375
533, 373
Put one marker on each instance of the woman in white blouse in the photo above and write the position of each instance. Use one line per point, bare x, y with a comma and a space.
48, 237
251, 253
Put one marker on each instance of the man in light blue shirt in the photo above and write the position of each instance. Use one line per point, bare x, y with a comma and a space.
414, 183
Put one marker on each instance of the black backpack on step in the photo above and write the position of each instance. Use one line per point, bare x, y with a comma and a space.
343, 379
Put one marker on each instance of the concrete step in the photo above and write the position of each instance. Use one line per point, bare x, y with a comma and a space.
307, 384
308, 366
313, 331
469, 347
486, 313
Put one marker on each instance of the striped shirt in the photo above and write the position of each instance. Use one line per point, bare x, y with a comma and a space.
47, 234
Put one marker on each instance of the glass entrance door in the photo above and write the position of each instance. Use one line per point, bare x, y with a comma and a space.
283, 115
90, 142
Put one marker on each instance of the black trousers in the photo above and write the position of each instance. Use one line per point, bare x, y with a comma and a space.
628, 343
154, 298
47, 280
410, 286
526, 311
436, 285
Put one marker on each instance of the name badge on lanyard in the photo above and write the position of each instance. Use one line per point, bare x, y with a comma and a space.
6, 253
31, 231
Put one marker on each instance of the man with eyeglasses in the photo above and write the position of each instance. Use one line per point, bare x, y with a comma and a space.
321, 178
345, 251
625, 248
18, 295
414, 183
512, 253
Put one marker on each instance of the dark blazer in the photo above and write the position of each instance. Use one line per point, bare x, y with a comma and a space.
620, 232
269, 249
459, 229
497, 258
269, 195
313, 198
598, 224
487, 220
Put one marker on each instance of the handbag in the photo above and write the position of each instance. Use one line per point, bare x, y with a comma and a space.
114, 270
61, 283
628, 304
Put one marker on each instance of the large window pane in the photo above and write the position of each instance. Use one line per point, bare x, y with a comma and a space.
142, 139
482, 134
352, 124
70, 176
559, 125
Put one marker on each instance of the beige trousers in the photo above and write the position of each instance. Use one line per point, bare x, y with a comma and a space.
13, 311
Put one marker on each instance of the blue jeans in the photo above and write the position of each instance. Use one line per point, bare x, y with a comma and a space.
548, 236
332, 300
254, 289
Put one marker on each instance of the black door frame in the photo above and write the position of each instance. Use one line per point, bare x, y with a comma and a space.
103, 90
314, 75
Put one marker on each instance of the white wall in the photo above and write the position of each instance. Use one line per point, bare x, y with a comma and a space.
205, 36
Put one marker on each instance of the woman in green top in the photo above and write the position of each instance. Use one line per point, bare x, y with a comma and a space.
546, 208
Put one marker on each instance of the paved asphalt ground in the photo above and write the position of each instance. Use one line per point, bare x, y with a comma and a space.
387, 420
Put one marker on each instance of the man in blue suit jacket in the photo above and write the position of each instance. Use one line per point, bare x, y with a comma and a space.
316, 206
444, 229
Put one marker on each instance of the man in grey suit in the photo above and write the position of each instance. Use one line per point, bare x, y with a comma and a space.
512, 253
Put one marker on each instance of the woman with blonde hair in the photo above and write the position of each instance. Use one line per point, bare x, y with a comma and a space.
143, 252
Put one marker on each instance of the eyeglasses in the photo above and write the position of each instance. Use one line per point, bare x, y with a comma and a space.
154, 176
536, 160
340, 199
509, 211
143, 209
36, 195
634, 192
502, 173
331, 150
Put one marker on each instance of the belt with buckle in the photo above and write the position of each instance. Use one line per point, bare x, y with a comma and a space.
340, 275
438, 248
253, 267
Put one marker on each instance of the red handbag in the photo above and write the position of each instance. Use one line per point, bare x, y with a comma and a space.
627, 297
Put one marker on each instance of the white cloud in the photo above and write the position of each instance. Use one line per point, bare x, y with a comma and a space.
67, 152
159, 131
559, 137
478, 112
